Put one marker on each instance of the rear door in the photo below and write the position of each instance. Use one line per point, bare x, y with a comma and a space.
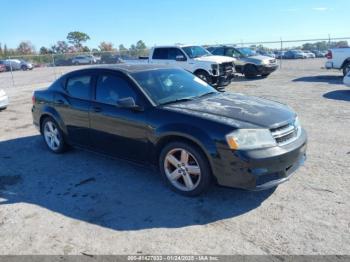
73, 106
114, 130
168, 55
160, 55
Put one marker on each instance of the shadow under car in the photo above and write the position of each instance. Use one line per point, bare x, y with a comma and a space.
111, 193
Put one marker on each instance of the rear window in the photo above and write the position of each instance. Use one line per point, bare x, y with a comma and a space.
160, 53
79, 87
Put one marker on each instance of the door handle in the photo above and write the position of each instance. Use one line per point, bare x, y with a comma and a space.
97, 109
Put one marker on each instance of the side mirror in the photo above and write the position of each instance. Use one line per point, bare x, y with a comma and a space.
180, 58
129, 103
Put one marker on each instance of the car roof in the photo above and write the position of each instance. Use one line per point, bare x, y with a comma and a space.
179, 46
131, 68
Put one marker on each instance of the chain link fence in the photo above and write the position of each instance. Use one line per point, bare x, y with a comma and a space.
23, 70
42, 69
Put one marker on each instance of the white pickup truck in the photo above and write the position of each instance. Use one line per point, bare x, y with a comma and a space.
339, 58
216, 70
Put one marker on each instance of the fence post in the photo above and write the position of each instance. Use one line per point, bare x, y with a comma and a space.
13, 80
54, 66
281, 53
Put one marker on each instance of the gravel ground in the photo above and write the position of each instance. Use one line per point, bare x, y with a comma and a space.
81, 202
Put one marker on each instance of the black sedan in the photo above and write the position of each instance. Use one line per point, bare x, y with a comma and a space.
169, 118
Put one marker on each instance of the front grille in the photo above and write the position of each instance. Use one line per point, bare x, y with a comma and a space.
285, 134
226, 68
272, 61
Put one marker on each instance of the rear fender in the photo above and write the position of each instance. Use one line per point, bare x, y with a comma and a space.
51, 112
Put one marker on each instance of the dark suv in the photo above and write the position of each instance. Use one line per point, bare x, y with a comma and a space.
172, 119
248, 62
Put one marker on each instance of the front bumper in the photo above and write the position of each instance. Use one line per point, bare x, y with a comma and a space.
4, 101
267, 69
260, 169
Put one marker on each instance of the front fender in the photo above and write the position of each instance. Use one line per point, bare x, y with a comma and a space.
192, 133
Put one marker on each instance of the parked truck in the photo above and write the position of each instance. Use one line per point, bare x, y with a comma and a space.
215, 70
339, 58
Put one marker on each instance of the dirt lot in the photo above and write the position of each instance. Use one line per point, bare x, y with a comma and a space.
81, 202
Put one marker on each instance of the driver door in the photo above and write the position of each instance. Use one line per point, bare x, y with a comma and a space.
114, 130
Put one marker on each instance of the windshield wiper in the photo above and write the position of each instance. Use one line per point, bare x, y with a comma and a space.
178, 100
206, 94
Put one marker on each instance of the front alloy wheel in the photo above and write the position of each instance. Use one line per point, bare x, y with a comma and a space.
185, 168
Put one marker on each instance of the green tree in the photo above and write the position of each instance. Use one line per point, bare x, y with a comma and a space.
5, 50
44, 51
60, 47
25, 48
133, 51
77, 39
106, 47
85, 49
140, 45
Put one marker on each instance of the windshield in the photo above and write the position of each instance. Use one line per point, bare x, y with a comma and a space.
247, 52
170, 85
196, 51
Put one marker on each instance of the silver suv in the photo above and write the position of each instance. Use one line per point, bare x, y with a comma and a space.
84, 60
247, 61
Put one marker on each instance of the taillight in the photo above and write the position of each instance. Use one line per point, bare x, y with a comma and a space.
33, 100
329, 55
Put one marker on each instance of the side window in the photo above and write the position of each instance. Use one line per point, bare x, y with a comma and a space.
160, 53
173, 53
79, 87
111, 88
218, 51
232, 52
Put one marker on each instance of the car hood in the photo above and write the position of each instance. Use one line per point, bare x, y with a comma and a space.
215, 59
256, 59
237, 109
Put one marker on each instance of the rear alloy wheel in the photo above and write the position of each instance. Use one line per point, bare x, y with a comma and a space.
346, 68
185, 169
53, 136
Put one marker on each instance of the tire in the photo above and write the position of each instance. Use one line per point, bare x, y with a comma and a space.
203, 75
174, 160
24, 67
250, 71
53, 136
346, 68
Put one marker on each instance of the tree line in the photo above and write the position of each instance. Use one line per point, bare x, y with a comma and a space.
74, 43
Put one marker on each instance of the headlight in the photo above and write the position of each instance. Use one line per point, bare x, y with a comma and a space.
264, 62
244, 139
